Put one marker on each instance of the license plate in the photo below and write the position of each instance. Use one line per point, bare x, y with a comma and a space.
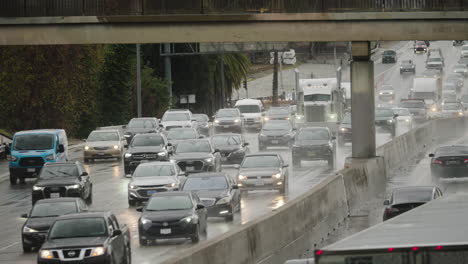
31, 170
223, 158
311, 153
226, 126
452, 162
274, 142
151, 192
101, 153
259, 183
189, 168
54, 195
166, 231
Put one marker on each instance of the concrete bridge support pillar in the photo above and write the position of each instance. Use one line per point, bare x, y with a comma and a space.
362, 101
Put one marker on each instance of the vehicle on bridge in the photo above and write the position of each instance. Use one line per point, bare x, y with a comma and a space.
449, 162
428, 234
461, 69
420, 47
218, 192
42, 216
451, 109
280, 113
178, 118
146, 147
63, 179
456, 78
153, 177
276, 133
427, 88
228, 119
389, 56
176, 135
407, 66
252, 111
87, 238
386, 120
344, 134
31, 149
463, 61
199, 155
314, 143
457, 43
168, 215
448, 96
232, 147
203, 124
387, 93
263, 171
464, 51
435, 59
104, 144
141, 125
417, 108
404, 117
407, 198
464, 101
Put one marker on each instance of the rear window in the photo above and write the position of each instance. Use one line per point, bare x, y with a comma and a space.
452, 151
389, 52
413, 104
412, 196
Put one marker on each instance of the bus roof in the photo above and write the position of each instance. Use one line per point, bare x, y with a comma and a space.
40, 131
442, 222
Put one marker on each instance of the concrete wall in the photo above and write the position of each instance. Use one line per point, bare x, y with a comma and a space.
306, 221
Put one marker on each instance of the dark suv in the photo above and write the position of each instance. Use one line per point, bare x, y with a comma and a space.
314, 143
146, 147
276, 133
141, 125
198, 155
386, 119
68, 179
389, 56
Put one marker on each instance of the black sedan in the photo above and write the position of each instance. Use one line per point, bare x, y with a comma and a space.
263, 171
345, 134
406, 198
217, 191
194, 156
68, 179
141, 125
276, 133
177, 214
231, 146
386, 120
146, 147
389, 56
204, 124
449, 162
314, 143
41, 217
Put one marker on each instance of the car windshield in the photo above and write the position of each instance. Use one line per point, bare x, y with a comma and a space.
226, 140
387, 88
459, 67
383, 113
389, 52
412, 196
421, 43
248, 108
317, 97
103, 136
59, 171
266, 161
34, 142
227, 113
201, 118
176, 117
278, 111
406, 62
173, 202
273, 125
452, 151
413, 104
346, 119
434, 59
142, 123
53, 209
313, 134
179, 134
450, 107
205, 183
144, 140
188, 147
80, 227
402, 112
154, 171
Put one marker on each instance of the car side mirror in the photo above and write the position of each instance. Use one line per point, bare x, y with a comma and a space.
263, 114
183, 174
333, 138
169, 144
395, 116
386, 202
217, 150
201, 136
236, 166
170, 152
245, 144
124, 126
84, 173
431, 155
116, 232
242, 116
161, 126
235, 186
200, 206
139, 209
24, 216
285, 165
61, 148
84, 139
193, 120
125, 145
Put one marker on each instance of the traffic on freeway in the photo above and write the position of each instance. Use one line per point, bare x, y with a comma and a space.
145, 191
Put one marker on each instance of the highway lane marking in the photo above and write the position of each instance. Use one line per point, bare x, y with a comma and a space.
9, 246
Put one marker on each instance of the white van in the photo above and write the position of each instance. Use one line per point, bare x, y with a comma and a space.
251, 110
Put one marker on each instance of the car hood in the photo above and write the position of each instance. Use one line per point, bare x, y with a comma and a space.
192, 155
274, 132
33, 153
312, 142
169, 215
277, 116
212, 193
176, 123
435, 62
258, 171
57, 181
145, 149
174, 142
139, 130
155, 180
227, 118
40, 223
383, 118
78, 242
102, 143
228, 148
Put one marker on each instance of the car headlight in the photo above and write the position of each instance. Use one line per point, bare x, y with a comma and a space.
216, 121
127, 135
381, 93
408, 120
242, 177
46, 254
29, 230
262, 135
299, 116
277, 175
434, 109
116, 147
460, 113
209, 160
237, 121
189, 219
74, 186
86, 148
145, 221
50, 157
391, 93
172, 185
132, 187
13, 158
266, 118
128, 155
343, 129
390, 121
162, 153
224, 200
98, 251
37, 188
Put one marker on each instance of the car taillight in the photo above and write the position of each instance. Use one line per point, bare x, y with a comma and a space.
437, 162
465, 160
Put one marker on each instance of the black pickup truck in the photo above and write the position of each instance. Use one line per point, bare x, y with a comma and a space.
86, 238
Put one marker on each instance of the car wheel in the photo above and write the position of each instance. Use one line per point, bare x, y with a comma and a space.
143, 242
26, 248
229, 218
13, 179
196, 238
132, 203
127, 258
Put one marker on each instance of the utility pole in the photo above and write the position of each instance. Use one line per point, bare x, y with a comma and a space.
275, 79
168, 70
223, 93
138, 66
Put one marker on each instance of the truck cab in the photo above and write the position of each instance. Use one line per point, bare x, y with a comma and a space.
31, 149
252, 112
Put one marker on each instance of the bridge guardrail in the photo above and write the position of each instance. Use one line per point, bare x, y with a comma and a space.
49, 8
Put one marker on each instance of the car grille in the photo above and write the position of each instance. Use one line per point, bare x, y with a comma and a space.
419, 49
166, 223
315, 113
250, 120
144, 156
275, 137
208, 201
73, 253
32, 161
49, 190
101, 148
157, 188
226, 122
196, 164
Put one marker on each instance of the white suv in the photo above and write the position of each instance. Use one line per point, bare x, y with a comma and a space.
178, 118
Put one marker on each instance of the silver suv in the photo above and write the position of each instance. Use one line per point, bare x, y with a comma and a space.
178, 118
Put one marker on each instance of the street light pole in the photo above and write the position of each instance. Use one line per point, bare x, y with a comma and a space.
138, 66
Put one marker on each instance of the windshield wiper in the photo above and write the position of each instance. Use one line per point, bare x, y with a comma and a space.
66, 173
